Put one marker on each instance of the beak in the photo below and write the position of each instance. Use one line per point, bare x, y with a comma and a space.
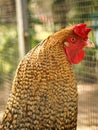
90, 44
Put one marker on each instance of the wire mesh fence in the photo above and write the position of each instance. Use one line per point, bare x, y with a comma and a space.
46, 17
7, 11
8, 49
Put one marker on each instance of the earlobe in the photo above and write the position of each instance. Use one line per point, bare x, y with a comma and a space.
66, 44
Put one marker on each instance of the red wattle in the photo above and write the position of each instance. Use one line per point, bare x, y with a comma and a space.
79, 57
74, 57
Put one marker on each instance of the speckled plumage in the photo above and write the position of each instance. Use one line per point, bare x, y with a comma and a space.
44, 92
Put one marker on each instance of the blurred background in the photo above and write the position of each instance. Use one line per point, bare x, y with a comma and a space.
24, 23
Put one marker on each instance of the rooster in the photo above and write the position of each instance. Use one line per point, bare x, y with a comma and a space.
44, 91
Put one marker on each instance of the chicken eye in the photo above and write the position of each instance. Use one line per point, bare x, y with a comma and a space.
73, 39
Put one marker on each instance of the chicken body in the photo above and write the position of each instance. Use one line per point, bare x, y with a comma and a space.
44, 91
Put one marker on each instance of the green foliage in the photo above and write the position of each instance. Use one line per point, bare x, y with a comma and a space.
8, 51
32, 21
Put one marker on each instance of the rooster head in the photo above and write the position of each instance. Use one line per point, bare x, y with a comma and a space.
74, 44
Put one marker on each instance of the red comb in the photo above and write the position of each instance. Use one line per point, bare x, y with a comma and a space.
81, 30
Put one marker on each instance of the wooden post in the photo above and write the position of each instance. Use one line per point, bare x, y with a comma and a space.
22, 27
